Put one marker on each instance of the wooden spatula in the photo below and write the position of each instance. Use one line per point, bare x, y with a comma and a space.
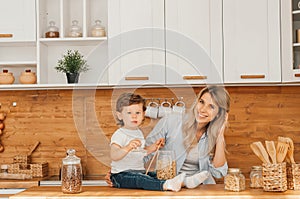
257, 152
263, 151
290, 152
271, 149
281, 150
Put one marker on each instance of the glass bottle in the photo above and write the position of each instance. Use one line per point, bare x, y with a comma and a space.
234, 180
98, 30
71, 173
52, 31
256, 179
166, 165
75, 30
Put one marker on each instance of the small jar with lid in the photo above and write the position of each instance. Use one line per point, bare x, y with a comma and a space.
6, 77
234, 180
256, 178
71, 173
27, 77
98, 30
75, 30
4, 168
52, 31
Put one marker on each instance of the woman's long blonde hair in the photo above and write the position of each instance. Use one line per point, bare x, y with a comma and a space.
222, 99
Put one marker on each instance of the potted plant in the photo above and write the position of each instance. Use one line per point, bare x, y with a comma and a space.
72, 64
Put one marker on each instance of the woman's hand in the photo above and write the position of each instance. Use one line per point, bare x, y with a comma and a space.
108, 180
220, 137
160, 143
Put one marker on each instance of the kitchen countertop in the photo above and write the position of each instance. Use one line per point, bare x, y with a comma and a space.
203, 191
13, 184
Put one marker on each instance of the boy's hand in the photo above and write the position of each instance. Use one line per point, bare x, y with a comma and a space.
133, 144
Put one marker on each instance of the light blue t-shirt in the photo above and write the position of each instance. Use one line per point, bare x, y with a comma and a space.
170, 128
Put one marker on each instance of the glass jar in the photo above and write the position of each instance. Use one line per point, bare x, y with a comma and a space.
4, 168
234, 180
166, 165
52, 31
256, 179
98, 30
75, 30
71, 173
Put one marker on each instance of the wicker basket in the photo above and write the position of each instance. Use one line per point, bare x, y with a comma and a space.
22, 159
293, 176
274, 177
35, 170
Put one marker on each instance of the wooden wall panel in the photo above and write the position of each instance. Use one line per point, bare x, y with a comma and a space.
62, 119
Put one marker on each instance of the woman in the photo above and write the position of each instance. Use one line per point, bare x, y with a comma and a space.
197, 138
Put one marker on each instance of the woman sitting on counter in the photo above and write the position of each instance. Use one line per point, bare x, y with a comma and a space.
197, 137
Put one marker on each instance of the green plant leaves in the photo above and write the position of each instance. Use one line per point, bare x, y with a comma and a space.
72, 62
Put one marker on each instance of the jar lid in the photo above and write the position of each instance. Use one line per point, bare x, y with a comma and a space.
75, 27
52, 27
256, 167
4, 166
98, 25
234, 170
71, 158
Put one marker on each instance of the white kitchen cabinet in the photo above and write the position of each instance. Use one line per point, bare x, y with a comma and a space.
251, 41
290, 40
18, 36
194, 41
136, 42
50, 50
17, 22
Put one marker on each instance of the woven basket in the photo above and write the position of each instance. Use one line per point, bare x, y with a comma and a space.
274, 177
22, 159
35, 170
293, 176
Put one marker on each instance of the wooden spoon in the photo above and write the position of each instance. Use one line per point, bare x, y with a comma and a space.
271, 149
33, 148
257, 152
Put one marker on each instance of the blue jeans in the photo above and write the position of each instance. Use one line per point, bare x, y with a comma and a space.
132, 179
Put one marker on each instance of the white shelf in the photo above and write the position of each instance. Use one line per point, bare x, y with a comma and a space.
80, 41
18, 63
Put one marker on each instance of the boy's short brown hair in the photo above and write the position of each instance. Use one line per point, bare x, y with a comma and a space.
127, 99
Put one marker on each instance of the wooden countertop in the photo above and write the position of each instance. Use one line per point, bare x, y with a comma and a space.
203, 191
19, 183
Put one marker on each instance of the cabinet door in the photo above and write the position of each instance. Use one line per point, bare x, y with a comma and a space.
194, 41
136, 42
17, 20
290, 21
251, 41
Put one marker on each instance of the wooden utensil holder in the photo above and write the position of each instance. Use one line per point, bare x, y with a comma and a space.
293, 176
274, 177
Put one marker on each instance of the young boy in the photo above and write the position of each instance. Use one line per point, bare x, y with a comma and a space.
128, 149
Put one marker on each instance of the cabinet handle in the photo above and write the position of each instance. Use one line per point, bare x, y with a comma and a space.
136, 78
297, 75
6, 35
194, 77
252, 76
